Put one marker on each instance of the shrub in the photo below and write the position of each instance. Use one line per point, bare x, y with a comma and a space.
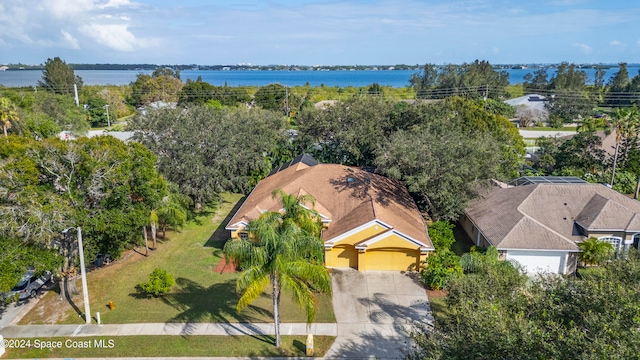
441, 234
160, 283
442, 266
594, 251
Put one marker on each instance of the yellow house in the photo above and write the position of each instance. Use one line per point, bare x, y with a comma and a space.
370, 221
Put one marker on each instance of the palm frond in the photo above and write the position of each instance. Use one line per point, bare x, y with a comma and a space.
249, 276
315, 275
252, 292
301, 294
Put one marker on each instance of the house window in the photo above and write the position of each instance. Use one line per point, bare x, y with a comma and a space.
615, 241
636, 240
244, 235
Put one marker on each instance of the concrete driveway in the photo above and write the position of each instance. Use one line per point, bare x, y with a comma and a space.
12, 313
374, 310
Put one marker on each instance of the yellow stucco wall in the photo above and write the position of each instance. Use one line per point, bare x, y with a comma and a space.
392, 241
364, 234
342, 256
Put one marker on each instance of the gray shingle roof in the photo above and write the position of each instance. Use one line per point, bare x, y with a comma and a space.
543, 216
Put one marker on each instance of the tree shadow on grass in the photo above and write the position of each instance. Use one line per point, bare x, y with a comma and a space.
221, 235
217, 303
201, 214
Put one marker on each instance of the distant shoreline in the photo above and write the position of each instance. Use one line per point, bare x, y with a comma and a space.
250, 67
317, 78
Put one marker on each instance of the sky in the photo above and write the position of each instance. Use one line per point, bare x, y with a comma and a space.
319, 32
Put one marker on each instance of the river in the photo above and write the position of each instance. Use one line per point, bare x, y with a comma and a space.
339, 78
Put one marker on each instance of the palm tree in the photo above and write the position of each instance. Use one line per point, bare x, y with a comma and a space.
8, 114
285, 253
295, 210
625, 122
153, 222
594, 251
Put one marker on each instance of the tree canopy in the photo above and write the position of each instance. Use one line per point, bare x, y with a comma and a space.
473, 80
162, 85
206, 151
59, 78
199, 93
499, 313
101, 184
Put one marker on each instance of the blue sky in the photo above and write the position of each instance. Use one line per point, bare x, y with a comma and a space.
319, 32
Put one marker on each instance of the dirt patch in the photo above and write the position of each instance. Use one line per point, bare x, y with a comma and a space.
436, 294
225, 267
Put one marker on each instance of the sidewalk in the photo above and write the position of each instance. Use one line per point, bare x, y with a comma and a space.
31, 331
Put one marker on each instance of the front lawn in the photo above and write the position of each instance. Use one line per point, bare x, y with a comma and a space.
200, 294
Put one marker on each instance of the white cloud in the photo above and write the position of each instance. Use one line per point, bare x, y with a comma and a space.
115, 36
65, 9
586, 49
70, 40
115, 4
495, 50
615, 43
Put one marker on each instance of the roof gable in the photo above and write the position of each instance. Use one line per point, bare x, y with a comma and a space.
602, 213
530, 234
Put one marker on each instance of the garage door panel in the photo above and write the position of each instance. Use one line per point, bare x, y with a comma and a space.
392, 259
537, 262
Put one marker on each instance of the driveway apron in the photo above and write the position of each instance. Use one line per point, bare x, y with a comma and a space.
374, 311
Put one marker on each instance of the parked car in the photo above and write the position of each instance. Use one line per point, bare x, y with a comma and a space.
28, 286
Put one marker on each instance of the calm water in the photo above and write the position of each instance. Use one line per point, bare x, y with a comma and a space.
395, 78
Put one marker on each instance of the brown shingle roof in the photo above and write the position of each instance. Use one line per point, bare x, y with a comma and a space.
543, 216
350, 197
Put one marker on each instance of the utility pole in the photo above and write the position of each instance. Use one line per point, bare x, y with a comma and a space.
83, 271
85, 290
75, 90
106, 107
287, 108
486, 95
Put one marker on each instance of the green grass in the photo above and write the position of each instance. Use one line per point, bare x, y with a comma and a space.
166, 346
200, 294
514, 91
439, 307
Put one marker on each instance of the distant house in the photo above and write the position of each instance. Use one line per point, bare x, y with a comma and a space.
530, 109
370, 221
539, 224
156, 105
4, 68
325, 103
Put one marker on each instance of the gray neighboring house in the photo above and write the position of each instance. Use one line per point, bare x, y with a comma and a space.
531, 106
539, 225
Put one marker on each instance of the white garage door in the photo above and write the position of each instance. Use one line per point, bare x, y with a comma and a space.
536, 262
